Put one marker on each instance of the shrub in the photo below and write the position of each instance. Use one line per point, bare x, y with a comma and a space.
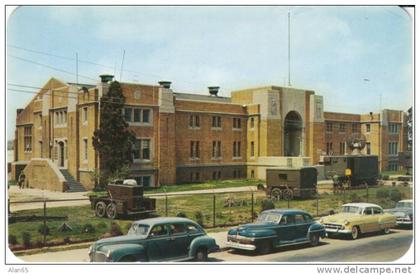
181, 214
382, 193
102, 225
12, 239
43, 229
116, 229
267, 204
354, 197
260, 186
385, 177
199, 218
395, 195
26, 239
66, 240
88, 228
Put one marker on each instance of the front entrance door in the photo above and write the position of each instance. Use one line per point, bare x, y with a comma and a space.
61, 154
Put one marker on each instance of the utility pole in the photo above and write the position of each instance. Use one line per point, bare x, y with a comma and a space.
77, 68
122, 65
288, 48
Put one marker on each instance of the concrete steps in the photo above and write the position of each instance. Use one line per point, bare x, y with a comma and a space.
73, 185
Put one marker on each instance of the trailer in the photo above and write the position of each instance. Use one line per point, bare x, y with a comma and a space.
124, 198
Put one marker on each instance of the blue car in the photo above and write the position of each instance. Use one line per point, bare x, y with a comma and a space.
276, 228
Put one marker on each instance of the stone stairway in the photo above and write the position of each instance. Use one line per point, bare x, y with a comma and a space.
73, 185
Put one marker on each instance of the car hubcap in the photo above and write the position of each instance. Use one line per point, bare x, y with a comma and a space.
354, 232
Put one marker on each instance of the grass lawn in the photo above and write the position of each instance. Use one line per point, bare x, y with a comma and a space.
200, 208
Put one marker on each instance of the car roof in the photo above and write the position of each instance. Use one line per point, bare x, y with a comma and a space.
160, 220
283, 211
362, 204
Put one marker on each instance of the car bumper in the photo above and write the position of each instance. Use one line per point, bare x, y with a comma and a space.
404, 222
337, 231
240, 246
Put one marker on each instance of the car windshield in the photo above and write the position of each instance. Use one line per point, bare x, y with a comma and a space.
138, 229
350, 209
405, 204
269, 217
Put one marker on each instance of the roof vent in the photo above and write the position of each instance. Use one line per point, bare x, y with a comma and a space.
165, 84
105, 78
213, 90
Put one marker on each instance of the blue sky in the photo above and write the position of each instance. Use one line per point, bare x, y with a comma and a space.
333, 49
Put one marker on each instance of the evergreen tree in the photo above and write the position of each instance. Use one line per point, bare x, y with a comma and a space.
113, 140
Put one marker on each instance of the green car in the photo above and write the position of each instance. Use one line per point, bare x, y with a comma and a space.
154, 240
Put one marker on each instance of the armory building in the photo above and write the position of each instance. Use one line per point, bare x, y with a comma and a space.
192, 137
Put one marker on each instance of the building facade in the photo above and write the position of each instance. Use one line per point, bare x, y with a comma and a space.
184, 138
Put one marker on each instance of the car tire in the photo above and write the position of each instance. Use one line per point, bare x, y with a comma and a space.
111, 210
314, 239
276, 194
264, 247
355, 232
287, 194
201, 255
386, 230
100, 209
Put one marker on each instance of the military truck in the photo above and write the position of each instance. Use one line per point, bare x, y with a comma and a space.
123, 198
354, 170
288, 183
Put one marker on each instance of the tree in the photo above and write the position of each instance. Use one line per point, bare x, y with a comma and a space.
410, 128
113, 140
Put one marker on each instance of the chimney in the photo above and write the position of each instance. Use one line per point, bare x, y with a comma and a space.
165, 84
213, 90
105, 78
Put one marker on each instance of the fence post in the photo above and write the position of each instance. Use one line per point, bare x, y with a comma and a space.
288, 202
317, 204
252, 206
367, 193
214, 210
166, 205
45, 223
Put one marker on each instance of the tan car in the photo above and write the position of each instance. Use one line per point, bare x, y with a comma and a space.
358, 218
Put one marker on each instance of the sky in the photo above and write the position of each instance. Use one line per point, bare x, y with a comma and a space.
359, 58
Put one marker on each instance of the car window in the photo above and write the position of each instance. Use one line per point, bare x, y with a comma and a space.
367, 211
192, 228
287, 220
377, 210
308, 218
158, 230
138, 229
177, 228
299, 219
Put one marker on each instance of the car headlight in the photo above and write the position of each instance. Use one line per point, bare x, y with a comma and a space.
321, 220
346, 222
90, 249
108, 254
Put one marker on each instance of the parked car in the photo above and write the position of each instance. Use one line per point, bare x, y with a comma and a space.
276, 228
403, 211
156, 239
358, 218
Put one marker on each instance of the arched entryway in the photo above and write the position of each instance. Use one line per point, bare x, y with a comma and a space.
293, 126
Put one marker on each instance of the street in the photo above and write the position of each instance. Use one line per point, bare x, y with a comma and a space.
369, 248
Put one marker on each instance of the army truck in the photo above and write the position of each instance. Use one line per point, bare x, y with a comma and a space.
354, 170
288, 183
123, 198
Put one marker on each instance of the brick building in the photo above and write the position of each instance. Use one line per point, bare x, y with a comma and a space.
191, 137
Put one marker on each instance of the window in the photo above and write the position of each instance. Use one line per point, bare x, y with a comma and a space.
392, 148
354, 128
342, 127
329, 148
252, 174
195, 176
329, 126
367, 211
368, 152
141, 149
283, 176
393, 128
342, 148
85, 149
60, 118
217, 149
252, 123
192, 228
40, 148
376, 211
216, 122
252, 149
194, 121
27, 140
367, 128
236, 149
299, 219
236, 123
85, 114
195, 149
308, 218
177, 228
137, 115
158, 230
393, 166
217, 175
40, 120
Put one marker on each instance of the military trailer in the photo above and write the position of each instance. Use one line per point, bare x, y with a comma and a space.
352, 169
287, 183
124, 198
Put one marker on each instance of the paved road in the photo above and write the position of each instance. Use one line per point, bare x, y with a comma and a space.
376, 248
